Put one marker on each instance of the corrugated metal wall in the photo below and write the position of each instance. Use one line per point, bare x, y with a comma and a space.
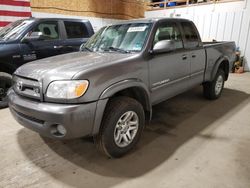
225, 21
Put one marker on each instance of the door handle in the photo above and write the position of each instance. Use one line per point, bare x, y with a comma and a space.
184, 57
193, 56
58, 47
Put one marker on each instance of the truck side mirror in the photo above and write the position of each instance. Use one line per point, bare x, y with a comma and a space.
164, 46
35, 36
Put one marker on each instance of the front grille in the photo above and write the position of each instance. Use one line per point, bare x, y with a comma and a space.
27, 87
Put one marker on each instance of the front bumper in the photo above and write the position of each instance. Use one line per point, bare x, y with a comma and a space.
42, 117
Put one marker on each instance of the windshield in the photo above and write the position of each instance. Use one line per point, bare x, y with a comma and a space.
13, 30
122, 38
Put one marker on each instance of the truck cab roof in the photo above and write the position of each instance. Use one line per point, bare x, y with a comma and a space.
63, 19
151, 20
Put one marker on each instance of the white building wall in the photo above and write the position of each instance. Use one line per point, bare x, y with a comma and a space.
222, 21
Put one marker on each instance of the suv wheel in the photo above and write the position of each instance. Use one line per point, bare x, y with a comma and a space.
5, 84
121, 128
212, 90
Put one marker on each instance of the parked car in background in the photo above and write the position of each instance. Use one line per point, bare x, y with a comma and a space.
108, 90
36, 38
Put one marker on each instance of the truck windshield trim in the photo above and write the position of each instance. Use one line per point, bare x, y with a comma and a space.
123, 38
13, 30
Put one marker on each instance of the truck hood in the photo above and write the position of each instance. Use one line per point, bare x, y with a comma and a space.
67, 65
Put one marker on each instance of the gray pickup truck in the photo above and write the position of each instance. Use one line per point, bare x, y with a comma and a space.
107, 90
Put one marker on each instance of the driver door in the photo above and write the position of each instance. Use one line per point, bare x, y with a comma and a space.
51, 45
170, 71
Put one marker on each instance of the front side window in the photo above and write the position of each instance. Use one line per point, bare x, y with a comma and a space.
169, 31
124, 37
49, 30
76, 30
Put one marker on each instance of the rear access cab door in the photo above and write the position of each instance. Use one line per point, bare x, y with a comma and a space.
76, 33
195, 52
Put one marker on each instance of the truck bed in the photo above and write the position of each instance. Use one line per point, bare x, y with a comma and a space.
215, 51
215, 43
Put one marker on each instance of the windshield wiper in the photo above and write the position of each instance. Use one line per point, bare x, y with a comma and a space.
85, 47
117, 49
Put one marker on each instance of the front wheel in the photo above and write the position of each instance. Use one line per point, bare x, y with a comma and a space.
212, 90
122, 126
5, 84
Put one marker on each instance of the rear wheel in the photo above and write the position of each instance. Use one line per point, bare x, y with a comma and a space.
212, 90
5, 84
122, 126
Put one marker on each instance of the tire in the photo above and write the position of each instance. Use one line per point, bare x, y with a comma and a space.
212, 90
5, 84
116, 112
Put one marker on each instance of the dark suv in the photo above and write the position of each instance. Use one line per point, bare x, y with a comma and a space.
36, 38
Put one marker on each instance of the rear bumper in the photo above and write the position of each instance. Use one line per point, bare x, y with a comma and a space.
78, 120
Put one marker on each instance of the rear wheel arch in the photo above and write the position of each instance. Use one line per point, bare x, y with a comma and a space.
212, 90
224, 65
221, 64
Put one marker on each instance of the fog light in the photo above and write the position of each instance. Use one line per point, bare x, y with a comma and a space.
61, 129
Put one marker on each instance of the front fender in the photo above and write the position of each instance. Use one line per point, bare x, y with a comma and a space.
110, 91
119, 86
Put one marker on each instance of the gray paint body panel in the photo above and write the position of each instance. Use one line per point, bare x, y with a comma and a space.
77, 119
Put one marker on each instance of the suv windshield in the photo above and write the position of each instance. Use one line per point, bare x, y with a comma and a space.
122, 38
13, 30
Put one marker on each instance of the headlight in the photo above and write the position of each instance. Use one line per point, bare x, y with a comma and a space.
69, 89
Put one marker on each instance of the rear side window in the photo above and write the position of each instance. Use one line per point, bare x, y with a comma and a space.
76, 30
191, 36
49, 29
169, 31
